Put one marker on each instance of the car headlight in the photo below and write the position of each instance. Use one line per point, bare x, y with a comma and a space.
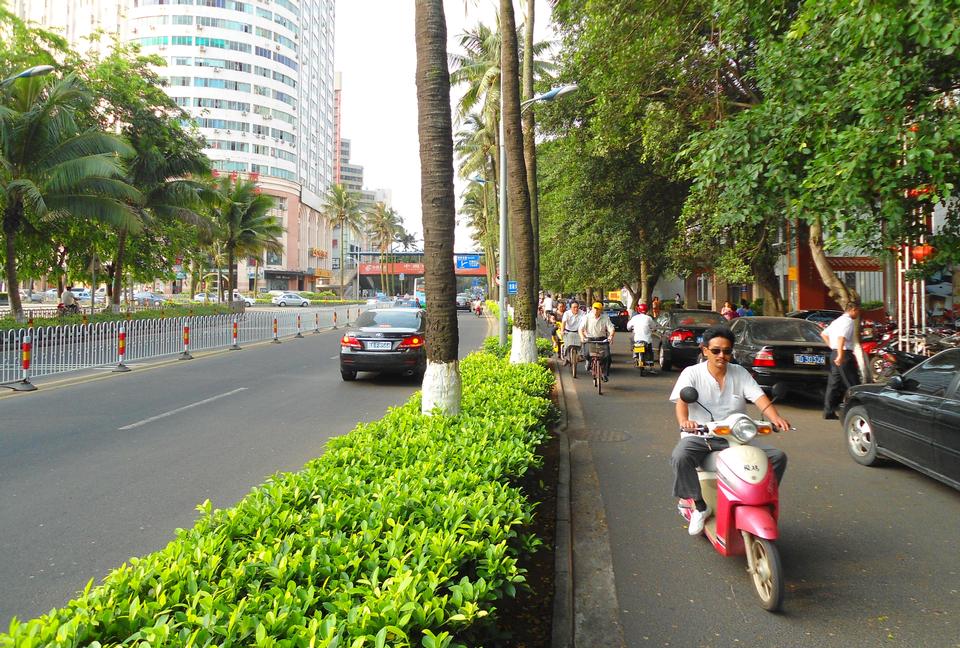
744, 430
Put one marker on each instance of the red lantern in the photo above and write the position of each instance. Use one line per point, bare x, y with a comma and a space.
922, 252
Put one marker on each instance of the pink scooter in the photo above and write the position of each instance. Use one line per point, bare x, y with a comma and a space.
740, 486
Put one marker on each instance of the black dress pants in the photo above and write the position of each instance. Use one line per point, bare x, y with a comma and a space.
841, 378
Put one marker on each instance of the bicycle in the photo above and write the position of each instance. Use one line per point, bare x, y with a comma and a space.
571, 351
596, 362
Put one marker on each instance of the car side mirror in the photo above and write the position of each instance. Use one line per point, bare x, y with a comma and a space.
895, 382
689, 395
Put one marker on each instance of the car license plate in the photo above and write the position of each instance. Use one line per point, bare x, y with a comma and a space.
803, 359
379, 346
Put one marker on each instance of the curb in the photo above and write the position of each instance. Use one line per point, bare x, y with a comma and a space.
562, 636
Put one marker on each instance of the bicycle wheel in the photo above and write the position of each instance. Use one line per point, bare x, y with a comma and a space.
574, 361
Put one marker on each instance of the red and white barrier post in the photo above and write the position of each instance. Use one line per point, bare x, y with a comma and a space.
186, 342
334, 319
121, 349
299, 332
276, 336
236, 335
26, 355
316, 322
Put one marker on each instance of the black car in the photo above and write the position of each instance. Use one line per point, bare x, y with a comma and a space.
821, 317
463, 301
913, 419
782, 350
617, 313
385, 340
681, 333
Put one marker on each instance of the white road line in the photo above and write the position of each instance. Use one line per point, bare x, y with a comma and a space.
180, 409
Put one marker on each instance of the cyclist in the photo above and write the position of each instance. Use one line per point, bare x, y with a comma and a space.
597, 327
557, 321
643, 326
571, 322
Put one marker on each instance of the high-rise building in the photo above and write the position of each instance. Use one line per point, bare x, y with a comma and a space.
257, 77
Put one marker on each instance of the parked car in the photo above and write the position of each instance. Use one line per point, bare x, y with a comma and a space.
821, 317
290, 299
680, 334
206, 298
912, 419
385, 340
617, 313
463, 301
406, 302
149, 298
51, 295
782, 350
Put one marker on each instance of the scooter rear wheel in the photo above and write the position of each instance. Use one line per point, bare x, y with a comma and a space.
768, 574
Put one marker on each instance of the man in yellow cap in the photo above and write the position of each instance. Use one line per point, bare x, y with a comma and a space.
597, 327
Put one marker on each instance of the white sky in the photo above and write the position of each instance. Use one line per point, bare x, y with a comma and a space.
376, 53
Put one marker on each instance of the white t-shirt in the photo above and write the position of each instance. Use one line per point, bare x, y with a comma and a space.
642, 326
738, 388
842, 327
571, 322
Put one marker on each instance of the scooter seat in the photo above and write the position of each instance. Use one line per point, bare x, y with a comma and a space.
710, 462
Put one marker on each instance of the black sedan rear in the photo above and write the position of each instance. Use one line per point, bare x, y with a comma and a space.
782, 350
681, 333
617, 313
914, 419
385, 340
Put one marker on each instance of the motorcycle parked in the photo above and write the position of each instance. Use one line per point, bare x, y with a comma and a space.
891, 361
739, 485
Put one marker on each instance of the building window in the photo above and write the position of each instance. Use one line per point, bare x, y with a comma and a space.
274, 258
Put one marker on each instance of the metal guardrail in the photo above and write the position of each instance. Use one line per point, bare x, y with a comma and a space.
61, 349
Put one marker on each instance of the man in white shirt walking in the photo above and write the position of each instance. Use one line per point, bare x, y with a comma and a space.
843, 364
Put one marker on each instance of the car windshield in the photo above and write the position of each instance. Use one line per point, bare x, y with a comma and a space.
701, 318
786, 330
389, 319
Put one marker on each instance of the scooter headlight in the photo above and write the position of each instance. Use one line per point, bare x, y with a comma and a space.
744, 430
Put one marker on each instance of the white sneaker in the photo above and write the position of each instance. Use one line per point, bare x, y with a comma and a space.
697, 519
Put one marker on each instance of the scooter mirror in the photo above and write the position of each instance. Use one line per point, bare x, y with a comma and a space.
895, 382
689, 395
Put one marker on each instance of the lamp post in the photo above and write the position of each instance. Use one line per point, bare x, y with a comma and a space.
36, 70
550, 95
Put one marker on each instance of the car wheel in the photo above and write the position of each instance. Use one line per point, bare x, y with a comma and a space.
861, 442
665, 364
348, 375
302, 304
282, 304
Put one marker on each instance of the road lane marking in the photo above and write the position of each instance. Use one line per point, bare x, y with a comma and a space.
180, 409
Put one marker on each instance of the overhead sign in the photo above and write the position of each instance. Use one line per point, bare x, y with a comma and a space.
511, 287
468, 261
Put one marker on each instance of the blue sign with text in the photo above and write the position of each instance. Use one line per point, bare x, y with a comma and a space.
468, 262
511, 287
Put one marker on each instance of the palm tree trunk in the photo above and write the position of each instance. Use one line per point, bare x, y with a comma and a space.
441, 383
117, 282
524, 347
231, 274
12, 216
529, 139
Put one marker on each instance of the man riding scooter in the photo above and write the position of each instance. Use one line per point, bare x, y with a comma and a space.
643, 327
723, 389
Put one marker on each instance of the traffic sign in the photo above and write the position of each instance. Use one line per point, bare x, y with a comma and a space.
511, 287
468, 262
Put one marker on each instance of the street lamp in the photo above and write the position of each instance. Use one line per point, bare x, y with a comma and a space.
36, 70
550, 95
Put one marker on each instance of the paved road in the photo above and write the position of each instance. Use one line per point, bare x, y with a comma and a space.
88, 479
870, 554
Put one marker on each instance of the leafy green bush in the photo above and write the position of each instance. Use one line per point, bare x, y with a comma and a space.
871, 305
404, 532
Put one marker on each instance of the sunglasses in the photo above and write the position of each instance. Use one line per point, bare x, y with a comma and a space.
726, 352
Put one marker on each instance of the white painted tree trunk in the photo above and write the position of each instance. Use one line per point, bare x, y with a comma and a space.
523, 349
441, 388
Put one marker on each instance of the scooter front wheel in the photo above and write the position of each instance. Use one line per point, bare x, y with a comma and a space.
767, 574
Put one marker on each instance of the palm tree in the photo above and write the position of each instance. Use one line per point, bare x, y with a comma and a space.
245, 226
441, 384
341, 208
383, 224
524, 348
50, 169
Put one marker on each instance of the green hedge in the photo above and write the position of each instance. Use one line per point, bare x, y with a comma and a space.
404, 533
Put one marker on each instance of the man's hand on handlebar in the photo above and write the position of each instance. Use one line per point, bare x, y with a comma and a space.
689, 426
779, 422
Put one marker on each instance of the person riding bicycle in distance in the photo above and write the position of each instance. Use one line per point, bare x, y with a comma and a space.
723, 389
597, 327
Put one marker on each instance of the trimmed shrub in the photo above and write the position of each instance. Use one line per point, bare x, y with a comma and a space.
403, 533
